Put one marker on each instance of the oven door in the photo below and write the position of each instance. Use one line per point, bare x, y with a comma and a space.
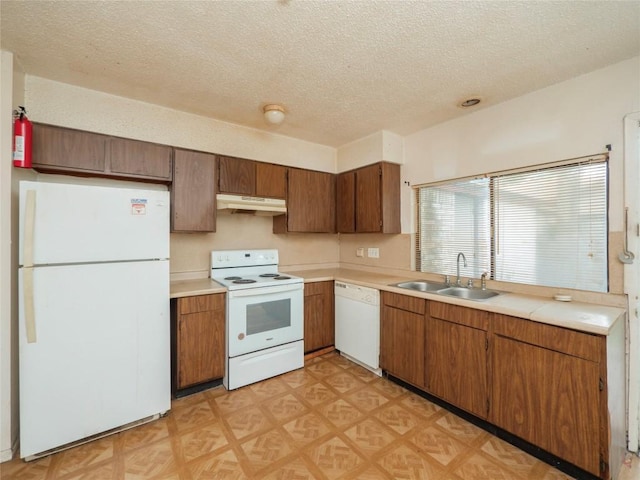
263, 317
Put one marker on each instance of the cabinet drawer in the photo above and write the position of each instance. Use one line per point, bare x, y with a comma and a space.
564, 340
404, 302
318, 288
201, 303
461, 315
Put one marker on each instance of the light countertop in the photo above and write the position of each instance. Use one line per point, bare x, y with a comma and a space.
585, 317
200, 286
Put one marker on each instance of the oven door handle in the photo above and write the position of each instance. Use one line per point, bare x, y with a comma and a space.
254, 292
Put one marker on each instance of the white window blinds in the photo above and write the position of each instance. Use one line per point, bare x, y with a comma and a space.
546, 226
453, 218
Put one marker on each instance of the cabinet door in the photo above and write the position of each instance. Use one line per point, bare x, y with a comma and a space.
271, 180
237, 175
456, 366
64, 149
140, 159
390, 197
402, 345
346, 202
368, 199
549, 399
319, 325
200, 343
193, 192
311, 201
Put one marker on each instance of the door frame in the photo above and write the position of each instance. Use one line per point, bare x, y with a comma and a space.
632, 272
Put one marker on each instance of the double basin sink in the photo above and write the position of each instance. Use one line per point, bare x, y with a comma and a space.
447, 290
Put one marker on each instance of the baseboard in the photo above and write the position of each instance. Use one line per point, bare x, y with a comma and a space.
8, 454
318, 353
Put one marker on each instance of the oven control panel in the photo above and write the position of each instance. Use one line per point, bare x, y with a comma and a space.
243, 258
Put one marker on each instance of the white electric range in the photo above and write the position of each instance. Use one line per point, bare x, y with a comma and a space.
265, 317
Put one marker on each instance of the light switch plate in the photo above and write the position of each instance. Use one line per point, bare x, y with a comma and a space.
373, 252
360, 252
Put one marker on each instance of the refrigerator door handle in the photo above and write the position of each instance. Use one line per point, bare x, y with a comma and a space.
29, 225
27, 269
29, 310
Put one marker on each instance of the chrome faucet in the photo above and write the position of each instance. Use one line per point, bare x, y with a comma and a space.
458, 280
483, 280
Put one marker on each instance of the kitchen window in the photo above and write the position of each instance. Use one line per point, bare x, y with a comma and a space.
545, 225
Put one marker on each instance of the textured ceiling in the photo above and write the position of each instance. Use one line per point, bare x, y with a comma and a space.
342, 69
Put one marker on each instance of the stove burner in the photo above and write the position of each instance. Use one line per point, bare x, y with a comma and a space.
269, 275
281, 277
244, 280
232, 278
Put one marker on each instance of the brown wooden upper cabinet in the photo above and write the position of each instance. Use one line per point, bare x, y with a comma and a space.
271, 180
65, 150
246, 177
368, 199
133, 158
236, 175
310, 203
193, 192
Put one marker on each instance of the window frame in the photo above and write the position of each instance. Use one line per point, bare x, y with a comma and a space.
587, 160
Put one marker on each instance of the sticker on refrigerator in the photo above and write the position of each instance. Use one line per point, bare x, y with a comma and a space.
138, 206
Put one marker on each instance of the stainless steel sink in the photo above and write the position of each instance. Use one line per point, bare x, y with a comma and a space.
468, 293
421, 286
443, 289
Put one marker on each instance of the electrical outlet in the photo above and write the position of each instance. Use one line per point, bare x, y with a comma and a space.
360, 252
373, 252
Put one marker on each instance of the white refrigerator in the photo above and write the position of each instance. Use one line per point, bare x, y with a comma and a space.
94, 351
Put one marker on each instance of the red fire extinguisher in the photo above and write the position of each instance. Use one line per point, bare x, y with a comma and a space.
22, 134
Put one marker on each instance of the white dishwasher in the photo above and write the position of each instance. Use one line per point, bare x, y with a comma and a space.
358, 324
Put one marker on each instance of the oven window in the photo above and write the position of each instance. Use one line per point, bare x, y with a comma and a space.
266, 316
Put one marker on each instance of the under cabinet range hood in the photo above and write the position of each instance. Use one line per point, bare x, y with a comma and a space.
267, 207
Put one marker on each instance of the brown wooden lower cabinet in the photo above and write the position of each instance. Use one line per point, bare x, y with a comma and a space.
456, 364
199, 339
542, 383
547, 397
319, 325
402, 326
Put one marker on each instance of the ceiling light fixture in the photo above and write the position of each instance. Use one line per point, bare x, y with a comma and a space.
274, 114
469, 102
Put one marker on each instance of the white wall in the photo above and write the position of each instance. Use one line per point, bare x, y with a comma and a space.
378, 146
69, 106
11, 95
6, 101
567, 120
632, 273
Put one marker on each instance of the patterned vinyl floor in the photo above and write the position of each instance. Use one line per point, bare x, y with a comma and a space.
330, 420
